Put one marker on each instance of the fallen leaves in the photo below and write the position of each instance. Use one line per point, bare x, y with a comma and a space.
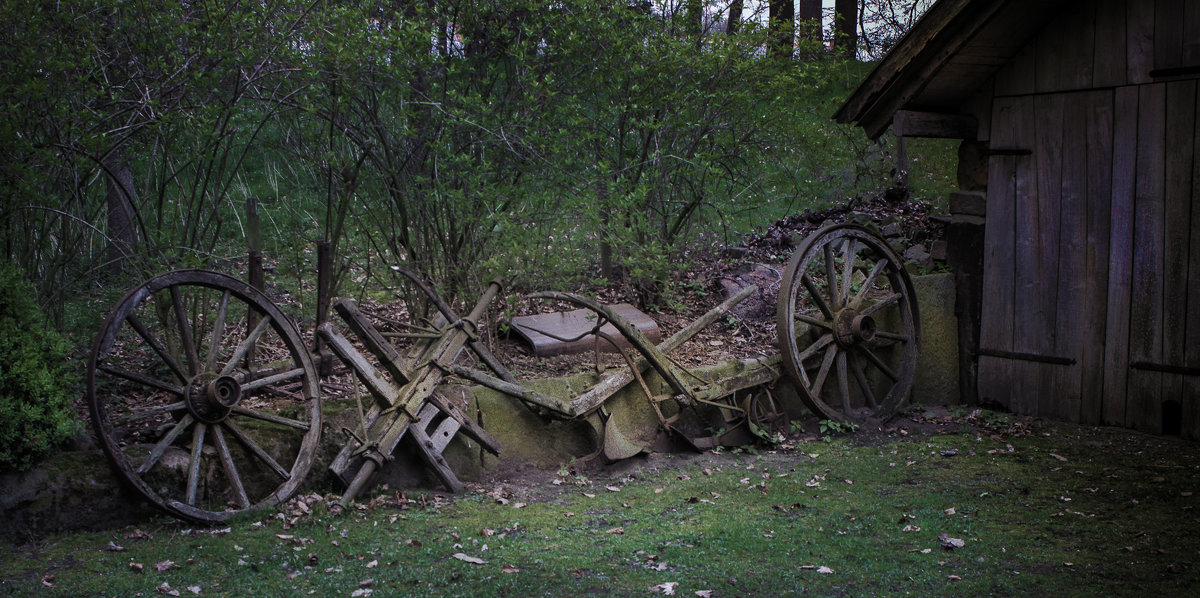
667, 588
469, 559
951, 543
822, 569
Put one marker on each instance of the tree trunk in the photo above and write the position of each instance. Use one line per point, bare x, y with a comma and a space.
735, 17
782, 24
120, 198
847, 27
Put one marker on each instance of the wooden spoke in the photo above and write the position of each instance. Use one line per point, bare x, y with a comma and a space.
142, 379
193, 475
218, 333
812, 349
273, 380
863, 385
877, 362
886, 301
815, 322
891, 336
256, 450
850, 315
157, 346
139, 336
815, 294
185, 330
156, 452
868, 284
246, 345
843, 383
231, 471
849, 248
140, 414
819, 382
831, 276
270, 417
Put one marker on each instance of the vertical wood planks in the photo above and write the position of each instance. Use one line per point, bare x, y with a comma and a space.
1099, 162
1064, 398
1120, 272
1168, 34
1146, 313
1030, 312
1037, 254
1191, 384
1109, 54
1191, 33
1019, 75
1140, 40
1178, 185
995, 325
1065, 50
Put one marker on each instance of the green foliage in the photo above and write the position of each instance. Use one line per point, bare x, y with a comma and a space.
829, 426
36, 378
463, 139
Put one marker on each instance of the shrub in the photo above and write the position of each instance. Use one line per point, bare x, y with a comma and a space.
36, 378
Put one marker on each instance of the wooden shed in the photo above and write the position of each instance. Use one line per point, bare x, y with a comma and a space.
1076, 232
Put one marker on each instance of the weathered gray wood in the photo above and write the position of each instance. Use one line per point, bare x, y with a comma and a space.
1168, 33
1032, 318
1064, 395
431, 433
1120, 272
1191, 33
910, 123
1139, 23
996, 328
1099, 148
1110, 54
1146, 313
612, 382
1178, 191
387, 355
1065, 49
1018, 76
1191, 384
376, 384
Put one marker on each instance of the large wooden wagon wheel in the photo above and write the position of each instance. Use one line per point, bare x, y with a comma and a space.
204, 396
847, 310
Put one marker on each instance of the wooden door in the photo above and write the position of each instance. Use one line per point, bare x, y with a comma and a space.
1092, 258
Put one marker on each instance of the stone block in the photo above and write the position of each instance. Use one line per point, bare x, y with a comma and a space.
937, 371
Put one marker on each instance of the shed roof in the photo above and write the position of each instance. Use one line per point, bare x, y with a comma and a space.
953, 50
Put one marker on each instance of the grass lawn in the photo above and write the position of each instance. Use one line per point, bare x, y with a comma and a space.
935, 504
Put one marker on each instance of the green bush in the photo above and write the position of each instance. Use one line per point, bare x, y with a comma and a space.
36, 378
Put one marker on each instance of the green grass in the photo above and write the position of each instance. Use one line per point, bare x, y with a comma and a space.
1063, 511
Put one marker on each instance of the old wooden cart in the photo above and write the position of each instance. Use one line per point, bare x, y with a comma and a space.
205, 397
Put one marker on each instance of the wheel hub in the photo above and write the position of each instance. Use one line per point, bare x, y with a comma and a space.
211, 398
851, 328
